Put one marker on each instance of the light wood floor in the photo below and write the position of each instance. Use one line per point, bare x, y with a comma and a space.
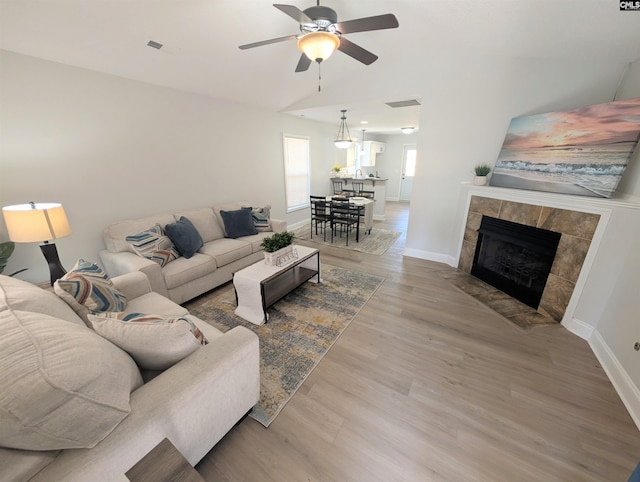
429, 384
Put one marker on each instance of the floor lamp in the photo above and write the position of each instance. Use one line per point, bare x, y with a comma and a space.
41, 222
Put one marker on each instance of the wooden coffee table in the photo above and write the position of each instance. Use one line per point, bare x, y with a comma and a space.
260, 286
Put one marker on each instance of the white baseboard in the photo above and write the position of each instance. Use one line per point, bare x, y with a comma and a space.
299, 224
579, 327
621, 381
428, 255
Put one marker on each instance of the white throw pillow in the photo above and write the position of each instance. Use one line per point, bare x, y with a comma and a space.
61, 385
155, 342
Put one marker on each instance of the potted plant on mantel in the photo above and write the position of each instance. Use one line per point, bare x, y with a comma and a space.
481, 171
277, 245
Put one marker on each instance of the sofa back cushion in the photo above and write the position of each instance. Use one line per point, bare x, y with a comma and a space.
205, 221
19, 295
61, 385
114, 235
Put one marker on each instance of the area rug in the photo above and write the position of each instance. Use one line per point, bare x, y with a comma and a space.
301, 329
378, 242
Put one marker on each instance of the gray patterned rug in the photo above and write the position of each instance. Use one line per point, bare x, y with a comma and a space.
301, 329
378, 242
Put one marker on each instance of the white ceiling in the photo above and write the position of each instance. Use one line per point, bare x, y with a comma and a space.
201, 37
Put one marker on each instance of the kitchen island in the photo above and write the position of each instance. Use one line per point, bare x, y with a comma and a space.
376, 184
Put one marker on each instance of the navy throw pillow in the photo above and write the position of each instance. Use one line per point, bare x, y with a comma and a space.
238, 223
184, 236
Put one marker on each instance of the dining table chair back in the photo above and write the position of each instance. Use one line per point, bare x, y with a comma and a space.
320, 214
345, 216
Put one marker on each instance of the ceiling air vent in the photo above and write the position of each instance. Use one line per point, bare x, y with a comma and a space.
403, 103
155, 45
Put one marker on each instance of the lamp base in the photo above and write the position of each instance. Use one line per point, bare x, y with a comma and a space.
55, 267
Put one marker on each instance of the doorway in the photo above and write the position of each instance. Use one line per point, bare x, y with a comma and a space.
409, 155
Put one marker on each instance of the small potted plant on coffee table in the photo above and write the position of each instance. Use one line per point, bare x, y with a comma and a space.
277, 245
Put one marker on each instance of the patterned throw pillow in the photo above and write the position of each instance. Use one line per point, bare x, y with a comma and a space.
155, 342
87, 287
154, 245
261, 218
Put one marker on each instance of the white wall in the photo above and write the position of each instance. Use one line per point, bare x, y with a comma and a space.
109, 149
469, 110
390, 165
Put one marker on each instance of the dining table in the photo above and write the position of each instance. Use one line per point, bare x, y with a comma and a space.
367, 203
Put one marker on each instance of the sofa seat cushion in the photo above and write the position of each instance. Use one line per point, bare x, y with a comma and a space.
227, 250
205, 222
256, 240
155, 342
183, 270
22, 296
61, 385
155, 303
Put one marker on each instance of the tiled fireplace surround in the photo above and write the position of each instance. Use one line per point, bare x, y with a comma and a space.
577, 231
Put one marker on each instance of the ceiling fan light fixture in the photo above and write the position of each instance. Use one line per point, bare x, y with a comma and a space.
318, 46
343, 139
407, 130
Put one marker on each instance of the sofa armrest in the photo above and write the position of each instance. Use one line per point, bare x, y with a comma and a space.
132, 285
278, 225
121, 263
193, 404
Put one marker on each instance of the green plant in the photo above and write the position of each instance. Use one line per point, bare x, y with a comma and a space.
277, 241
482, 169
336, 168
6, 250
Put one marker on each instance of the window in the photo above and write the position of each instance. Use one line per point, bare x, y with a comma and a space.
296, 172
410, 161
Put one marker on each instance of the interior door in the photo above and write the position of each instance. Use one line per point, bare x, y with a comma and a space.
409, 155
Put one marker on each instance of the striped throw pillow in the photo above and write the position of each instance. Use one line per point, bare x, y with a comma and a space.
153, 244
88, 286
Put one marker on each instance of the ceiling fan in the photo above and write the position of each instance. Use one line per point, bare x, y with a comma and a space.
321, 34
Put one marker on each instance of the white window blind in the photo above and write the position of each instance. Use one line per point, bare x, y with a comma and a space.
296, 172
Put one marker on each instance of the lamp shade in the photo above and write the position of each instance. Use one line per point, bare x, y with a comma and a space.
30, 223
318, 46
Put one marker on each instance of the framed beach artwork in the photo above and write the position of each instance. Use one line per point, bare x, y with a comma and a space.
581, 152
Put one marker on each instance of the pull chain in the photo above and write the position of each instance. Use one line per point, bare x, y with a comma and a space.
319, 76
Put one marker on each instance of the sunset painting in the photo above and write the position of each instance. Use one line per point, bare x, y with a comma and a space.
582, 152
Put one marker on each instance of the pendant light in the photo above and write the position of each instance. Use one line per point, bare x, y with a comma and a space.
362, 145
343, 141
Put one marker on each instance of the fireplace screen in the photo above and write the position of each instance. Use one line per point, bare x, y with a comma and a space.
515, 258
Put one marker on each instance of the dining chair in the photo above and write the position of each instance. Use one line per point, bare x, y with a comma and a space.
345, 216
359, 190
337, 187
320, 214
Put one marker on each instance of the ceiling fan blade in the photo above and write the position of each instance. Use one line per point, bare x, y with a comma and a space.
294, 12
379, 22
303, 63
267, 42
357, 52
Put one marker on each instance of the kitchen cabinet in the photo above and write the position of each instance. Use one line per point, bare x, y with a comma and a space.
368, 151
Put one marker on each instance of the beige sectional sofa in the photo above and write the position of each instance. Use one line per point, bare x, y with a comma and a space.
183, 279
75, 407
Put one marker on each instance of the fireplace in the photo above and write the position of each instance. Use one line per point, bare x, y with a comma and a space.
575, 229
515, 258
